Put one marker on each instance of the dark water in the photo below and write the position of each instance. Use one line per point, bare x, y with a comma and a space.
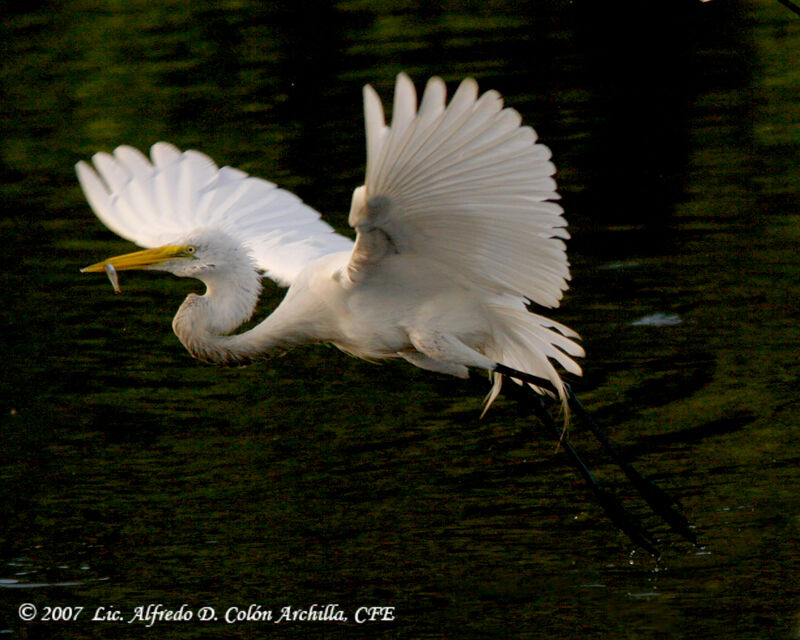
132, 475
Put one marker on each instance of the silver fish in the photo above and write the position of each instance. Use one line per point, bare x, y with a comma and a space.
111, 272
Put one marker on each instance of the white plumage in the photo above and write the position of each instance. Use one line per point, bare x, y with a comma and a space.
456, 232
469, 187
152, 204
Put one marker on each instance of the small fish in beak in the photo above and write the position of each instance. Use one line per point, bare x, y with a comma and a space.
111, 272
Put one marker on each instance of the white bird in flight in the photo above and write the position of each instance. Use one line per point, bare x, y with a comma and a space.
457, 235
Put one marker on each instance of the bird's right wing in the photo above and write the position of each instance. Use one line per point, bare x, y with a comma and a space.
463, 184
155, 202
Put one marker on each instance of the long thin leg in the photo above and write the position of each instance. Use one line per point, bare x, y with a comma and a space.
659, 500
542, 383
620, 516
791, 6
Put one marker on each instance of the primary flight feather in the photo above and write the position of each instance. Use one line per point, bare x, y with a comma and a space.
457, 232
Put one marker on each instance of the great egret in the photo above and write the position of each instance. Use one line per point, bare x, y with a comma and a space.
457, 233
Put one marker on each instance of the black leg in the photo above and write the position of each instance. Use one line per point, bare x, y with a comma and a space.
791, 6
660, 501
620, 516
542, 383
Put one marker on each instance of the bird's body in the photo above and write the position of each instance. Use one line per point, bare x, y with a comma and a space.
368, 319
406, 307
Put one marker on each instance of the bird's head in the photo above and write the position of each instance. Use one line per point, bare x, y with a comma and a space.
207, 255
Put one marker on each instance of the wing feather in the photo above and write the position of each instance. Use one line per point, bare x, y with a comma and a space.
466, 184
99, 198
136, 163
173, 194
112, 172
375, 124
164, 154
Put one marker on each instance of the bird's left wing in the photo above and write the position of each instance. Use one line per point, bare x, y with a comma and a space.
159, 200
463, 184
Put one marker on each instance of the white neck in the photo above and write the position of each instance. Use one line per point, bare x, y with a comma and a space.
203, 322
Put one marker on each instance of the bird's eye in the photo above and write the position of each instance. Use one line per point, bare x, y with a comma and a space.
190, 249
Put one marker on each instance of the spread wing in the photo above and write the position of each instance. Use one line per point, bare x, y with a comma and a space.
465, 184
153, 202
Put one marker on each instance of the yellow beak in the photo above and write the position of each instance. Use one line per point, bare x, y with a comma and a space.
140, 259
